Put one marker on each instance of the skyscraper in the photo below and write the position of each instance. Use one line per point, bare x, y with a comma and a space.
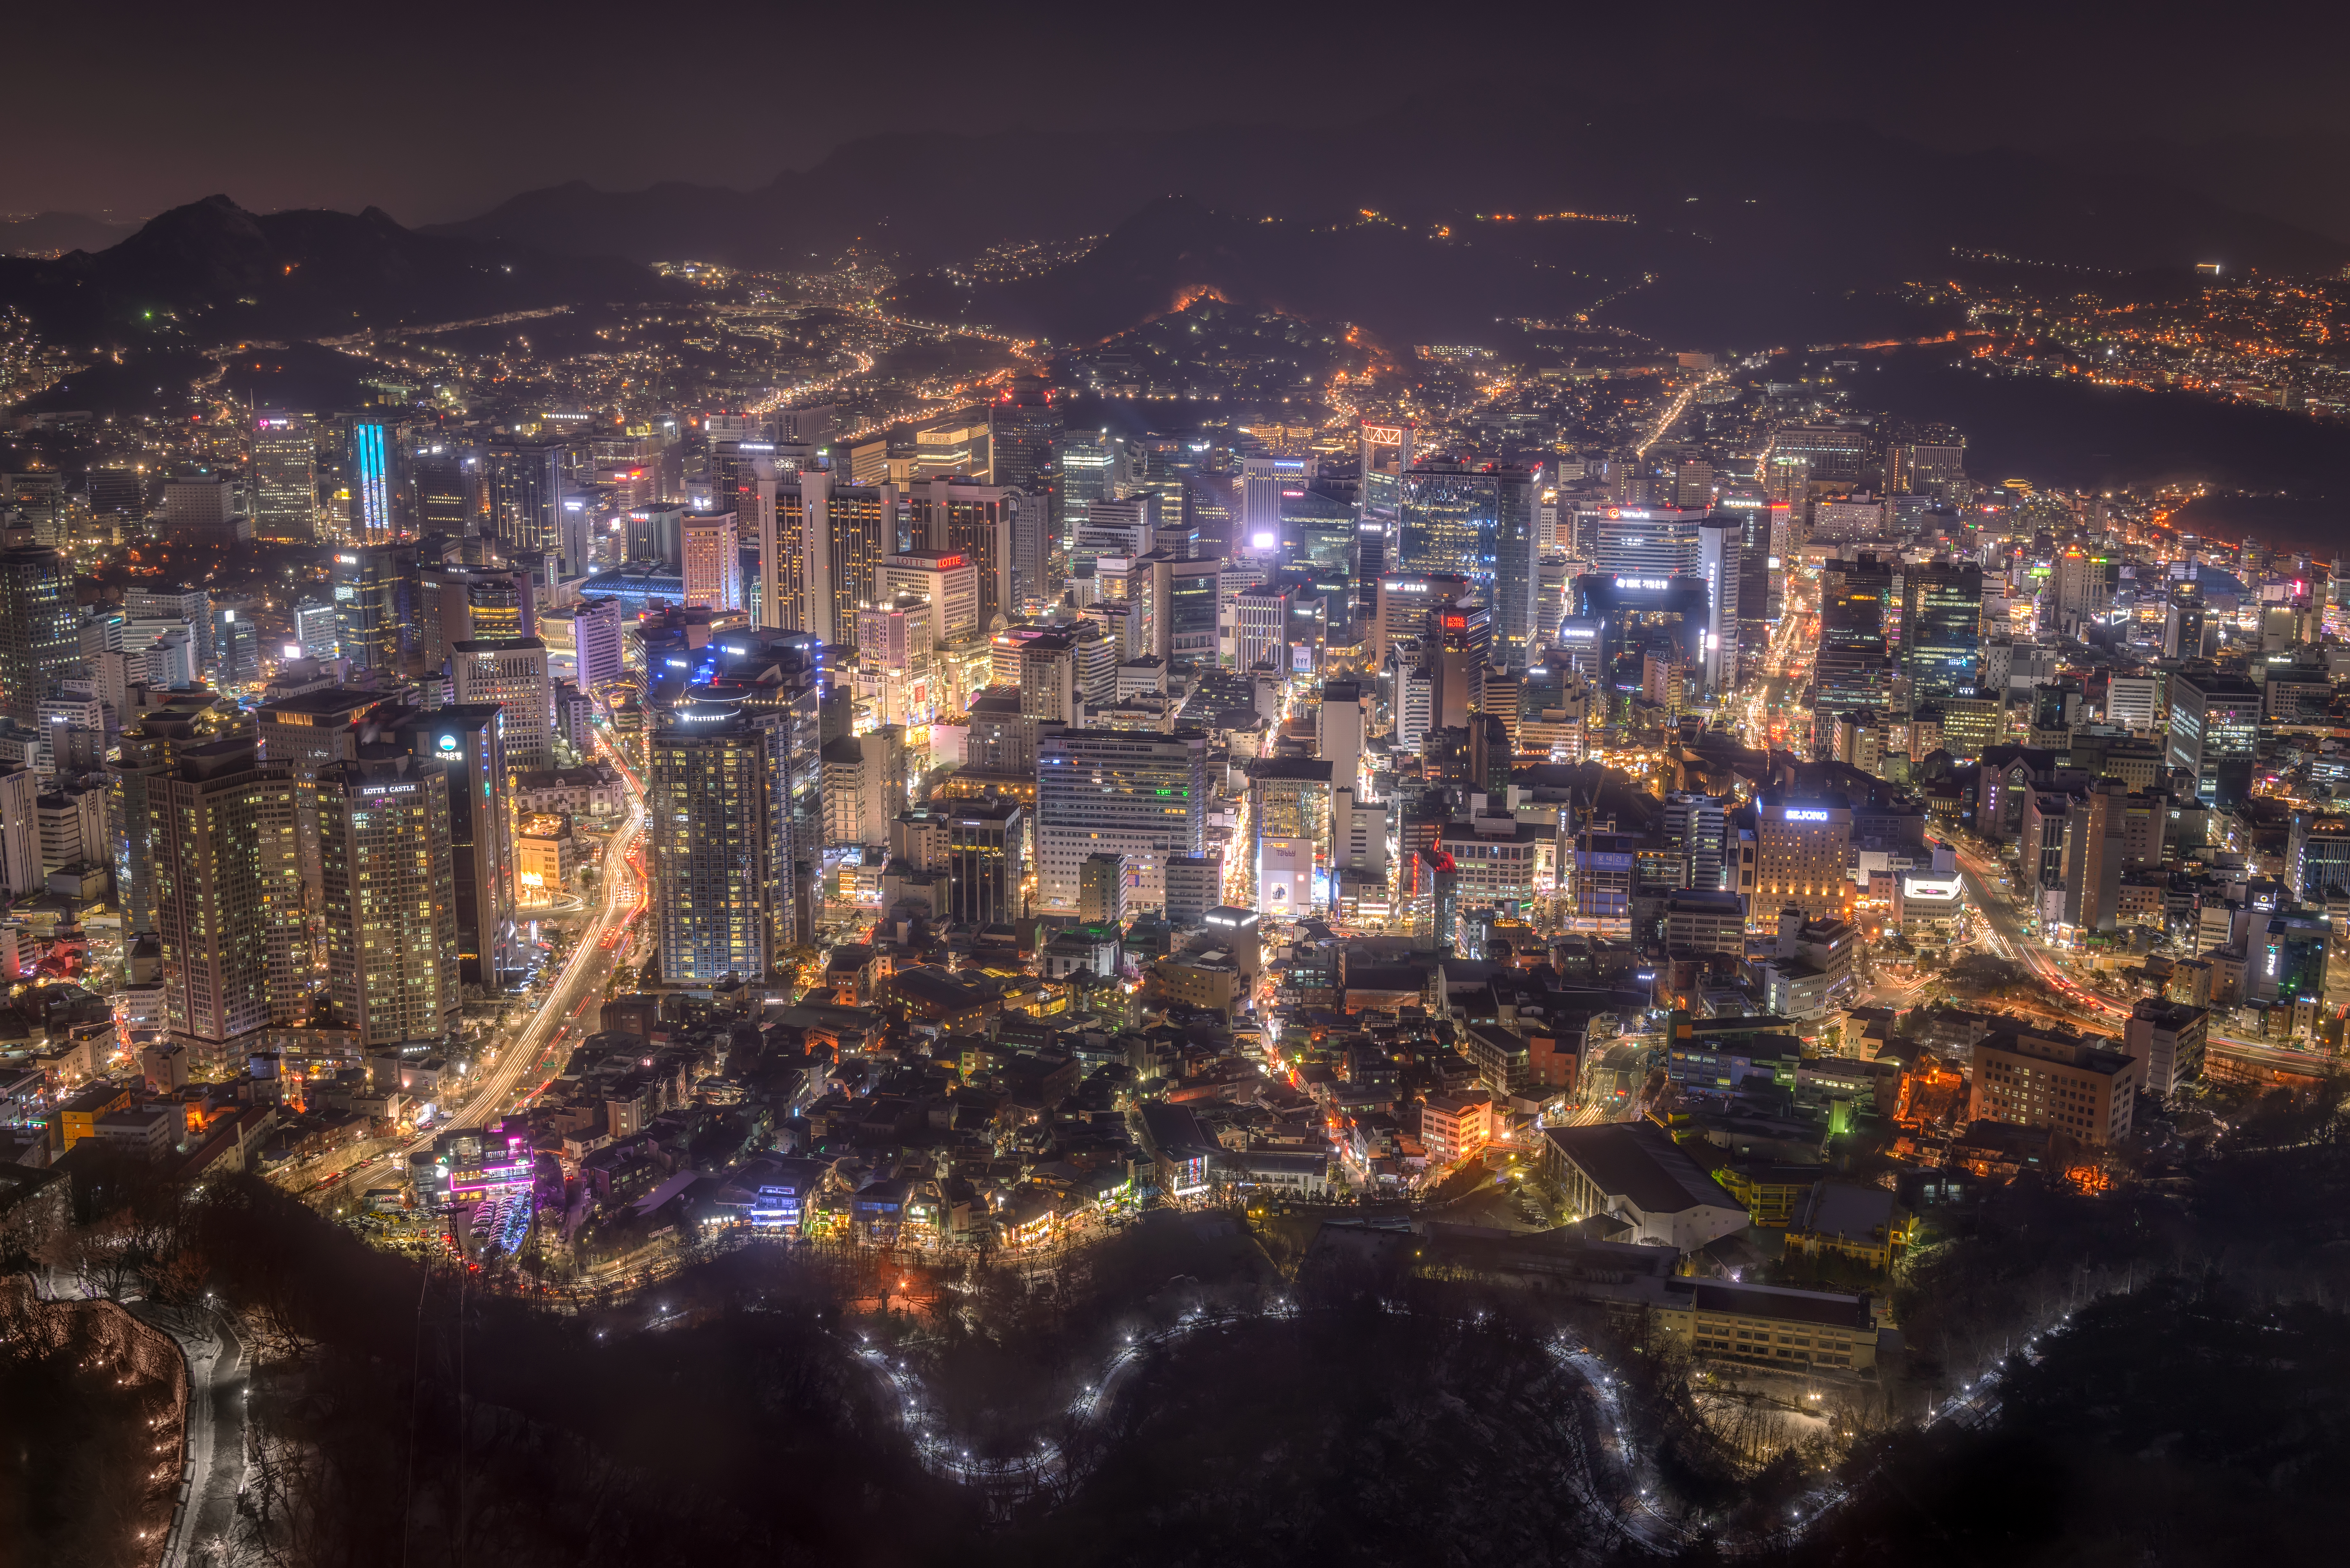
946, 581
391, 899
468, 741
39, 643
314, 628
303, 733
1264, 480
285, 458
1941, 629
1479, 525
228, 895
714, 561
143, 759
1022, 427
1084, 465
525, 482
1384, 452
2214, 718
714, 850
512, 673
1116, 793
597, 655
977, 522
372, 587
445, 491
1854, 669
987, 856
1721, 554
820, 544
379, 480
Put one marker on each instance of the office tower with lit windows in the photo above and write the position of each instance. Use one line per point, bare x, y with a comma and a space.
785, 709
1193, 610
1854, 669
1021, 428
468, 741
1289, 810
770, 518
374, 588
228, 895
821, 544
303, 733
955, 445
713, 555
946, 581
314, 628
2082, 589
524, 483
1720, 544
1803, 845
1931, 460
1841, 457
2186, 632
390, 913
597, 655
510, 672
1261, 629
1102, 792
1941, 629
2215, 717
1384, 452
39, 643
444, 490
1085, 463
1479, 525
1264, 481
473, 604
987, 860
959, 516
134, 778
714, 851
283, 453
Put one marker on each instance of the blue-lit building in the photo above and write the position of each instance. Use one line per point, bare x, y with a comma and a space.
375, 456
637, 588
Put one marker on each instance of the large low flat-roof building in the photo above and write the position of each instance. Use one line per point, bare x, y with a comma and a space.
1636, 1172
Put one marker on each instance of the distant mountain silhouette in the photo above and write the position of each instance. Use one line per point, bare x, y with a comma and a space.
1749, 230
210, 273
53, 234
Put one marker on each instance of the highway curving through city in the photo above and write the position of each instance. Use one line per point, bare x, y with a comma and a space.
599, 944
558, 1022
2008, 940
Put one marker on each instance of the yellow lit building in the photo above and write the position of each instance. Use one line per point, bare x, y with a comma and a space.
543, 846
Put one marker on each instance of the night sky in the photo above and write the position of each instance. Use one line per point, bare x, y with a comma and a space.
436, 111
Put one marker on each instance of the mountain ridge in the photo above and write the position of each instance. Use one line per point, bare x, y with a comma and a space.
209, 272
1745, 237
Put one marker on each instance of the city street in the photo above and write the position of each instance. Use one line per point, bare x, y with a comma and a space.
2098, 1009
599, 945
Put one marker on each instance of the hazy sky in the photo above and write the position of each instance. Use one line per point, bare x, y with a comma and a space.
436, 111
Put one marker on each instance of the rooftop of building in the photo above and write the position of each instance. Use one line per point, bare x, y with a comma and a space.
1783, 1304
1841, 1209
1639, 1162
